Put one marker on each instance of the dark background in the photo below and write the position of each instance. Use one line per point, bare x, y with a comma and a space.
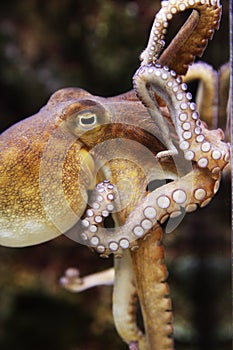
48, 45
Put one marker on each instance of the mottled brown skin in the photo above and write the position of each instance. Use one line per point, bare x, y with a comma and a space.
30, 143
32, 208
22, 148
25, 146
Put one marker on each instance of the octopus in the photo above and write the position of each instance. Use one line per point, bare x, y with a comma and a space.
140, 159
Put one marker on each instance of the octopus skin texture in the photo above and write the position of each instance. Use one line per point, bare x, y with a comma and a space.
83, 158
157, 84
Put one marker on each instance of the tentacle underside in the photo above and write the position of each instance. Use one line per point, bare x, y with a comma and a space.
153, 292
190, 42
190, 191
204, 148
195, 140
199, 145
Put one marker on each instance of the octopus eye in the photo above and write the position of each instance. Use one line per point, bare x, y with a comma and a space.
87, 120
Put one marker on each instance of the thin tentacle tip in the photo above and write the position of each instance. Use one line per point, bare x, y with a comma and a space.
133, 345
163, 155
71, 274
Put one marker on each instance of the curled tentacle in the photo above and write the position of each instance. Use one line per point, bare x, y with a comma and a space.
201, 146
207, 91
191, 41
124, 295
101, 207
187, 193
195, 140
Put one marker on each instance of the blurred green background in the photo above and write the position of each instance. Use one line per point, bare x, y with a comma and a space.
48, 45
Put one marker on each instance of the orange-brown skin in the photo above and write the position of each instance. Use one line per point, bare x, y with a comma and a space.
35, 207
22, 150
152, 281
29, 149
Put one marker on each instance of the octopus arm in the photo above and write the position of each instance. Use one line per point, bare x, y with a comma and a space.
191, 40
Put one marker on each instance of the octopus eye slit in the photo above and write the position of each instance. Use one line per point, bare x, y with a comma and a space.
87, 120
152, 185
